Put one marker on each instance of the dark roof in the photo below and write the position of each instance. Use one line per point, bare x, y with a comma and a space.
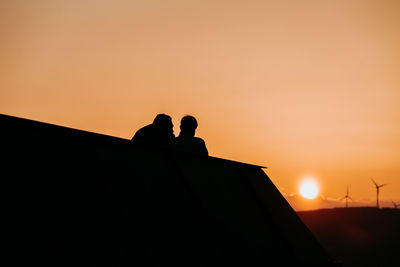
84, 198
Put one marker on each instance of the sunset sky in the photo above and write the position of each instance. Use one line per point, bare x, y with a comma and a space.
307, 88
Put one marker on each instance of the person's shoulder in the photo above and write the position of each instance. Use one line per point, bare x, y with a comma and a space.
200, 146
177, 139
145, 130
198, 140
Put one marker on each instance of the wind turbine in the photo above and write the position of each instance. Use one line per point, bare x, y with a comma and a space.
395, 204
346, 197
377, 192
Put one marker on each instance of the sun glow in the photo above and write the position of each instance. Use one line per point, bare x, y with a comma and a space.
308, 189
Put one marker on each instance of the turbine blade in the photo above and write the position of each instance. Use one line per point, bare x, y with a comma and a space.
347, 190
382, 185
374, 182
351, 199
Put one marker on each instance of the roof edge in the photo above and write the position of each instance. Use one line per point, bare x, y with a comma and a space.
5, 116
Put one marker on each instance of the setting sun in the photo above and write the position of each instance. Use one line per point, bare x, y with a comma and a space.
308, 189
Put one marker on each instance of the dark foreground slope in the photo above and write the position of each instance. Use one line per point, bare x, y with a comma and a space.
78, 198
358, 236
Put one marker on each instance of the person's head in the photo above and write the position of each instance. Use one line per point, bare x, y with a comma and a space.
163, 122
188, 125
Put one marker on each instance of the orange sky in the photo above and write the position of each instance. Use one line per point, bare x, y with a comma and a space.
303, 87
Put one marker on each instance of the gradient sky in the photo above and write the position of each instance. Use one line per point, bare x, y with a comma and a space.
303, 87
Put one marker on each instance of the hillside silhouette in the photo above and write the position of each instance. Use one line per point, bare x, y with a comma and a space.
71, 197
357, 236
299, 203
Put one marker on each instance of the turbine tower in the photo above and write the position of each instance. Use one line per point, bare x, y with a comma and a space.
347, 197
377, 192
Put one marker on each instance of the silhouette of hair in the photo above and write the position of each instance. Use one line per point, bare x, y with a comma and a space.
188, 123
162, 121
160, 132
162, 118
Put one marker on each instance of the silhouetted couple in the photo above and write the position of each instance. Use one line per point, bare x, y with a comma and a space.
160, 133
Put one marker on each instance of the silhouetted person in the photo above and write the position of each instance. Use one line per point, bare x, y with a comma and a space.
186, 141
159, 133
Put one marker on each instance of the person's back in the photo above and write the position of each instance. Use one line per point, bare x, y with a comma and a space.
159, 133
186, 141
